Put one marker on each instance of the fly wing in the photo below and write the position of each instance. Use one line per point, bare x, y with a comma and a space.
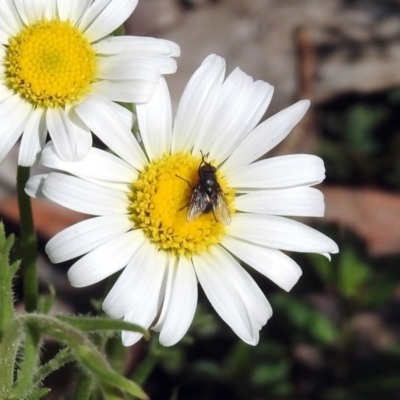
221, 208
198, 203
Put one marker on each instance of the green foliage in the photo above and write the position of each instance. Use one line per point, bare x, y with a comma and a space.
360, 143
353, 274
305, 319
7, 272
21, 374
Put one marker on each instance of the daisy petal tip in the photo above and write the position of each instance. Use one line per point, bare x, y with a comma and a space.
168, 341
305, 104
290, 284
175, 49
335, 250
215, 59
49, 251
327, 255
113, 310
254, 340
130, 338
33, 187
77, 278
74, 280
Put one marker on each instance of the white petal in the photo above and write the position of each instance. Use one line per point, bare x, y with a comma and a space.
252, 112
136, 45
136, 280
279, 172
274, 264
155, 122
72, 10
223, 295
85, 236
26, 10
179, 304
103, 261
33, 139
126, 67
98, 165
298, 201
235, 92
266, 136
196, 103
5, 92
131, 66
83, 196
14, 114
110, 125
30, 11
71, 138
258, 306
138, 90
10, 23
104, 16
50, 8
34, 186
143, 318
144, 311
240, 106
98, 105
280, 233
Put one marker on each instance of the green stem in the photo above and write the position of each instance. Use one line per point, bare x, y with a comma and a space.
29, 245
6, 277
62, 358
8, 352
29, 364
147, 365
87, 354
6, 301
84, 387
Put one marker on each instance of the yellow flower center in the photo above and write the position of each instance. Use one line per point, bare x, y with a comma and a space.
50, 64
159, 201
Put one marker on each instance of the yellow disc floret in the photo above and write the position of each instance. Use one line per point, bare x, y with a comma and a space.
159, 200
50, 64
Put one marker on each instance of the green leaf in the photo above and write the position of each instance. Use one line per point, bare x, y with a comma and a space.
271, 373
90, 324
46, 301
209, 370
87, 354
9, 346
352, 274
323, 267
91, 361
84, 386
7, 272
29, 363
306, 318
37, 393
322, 328
360, 122
64, 356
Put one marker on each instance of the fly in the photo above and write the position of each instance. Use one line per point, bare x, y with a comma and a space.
208, 196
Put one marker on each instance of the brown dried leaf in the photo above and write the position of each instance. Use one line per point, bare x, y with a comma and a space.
49, 218
372, 214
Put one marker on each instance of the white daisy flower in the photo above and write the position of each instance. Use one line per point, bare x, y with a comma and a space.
61, 73
144, 205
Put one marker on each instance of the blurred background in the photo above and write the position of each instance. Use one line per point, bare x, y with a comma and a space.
336, 335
